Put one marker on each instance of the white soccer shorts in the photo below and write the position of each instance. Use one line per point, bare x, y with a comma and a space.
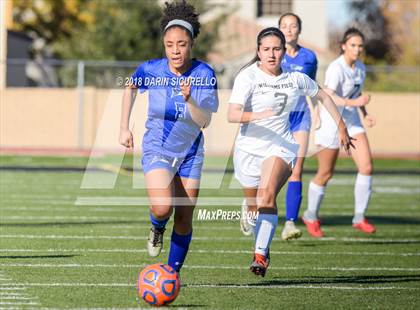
248, 166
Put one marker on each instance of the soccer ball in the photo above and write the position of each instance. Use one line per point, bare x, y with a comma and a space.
158, 284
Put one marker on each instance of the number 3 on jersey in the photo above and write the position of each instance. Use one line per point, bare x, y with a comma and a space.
281, 101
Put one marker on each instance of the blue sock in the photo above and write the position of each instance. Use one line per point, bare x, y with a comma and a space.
179, 249
293, 200
159, 224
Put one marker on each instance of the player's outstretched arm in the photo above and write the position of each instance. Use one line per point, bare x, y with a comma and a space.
345, 139
237, 115
357, 102
126, 136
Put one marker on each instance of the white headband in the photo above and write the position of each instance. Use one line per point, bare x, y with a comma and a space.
180, 22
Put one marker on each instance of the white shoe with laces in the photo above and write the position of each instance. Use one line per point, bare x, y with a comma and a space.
155, 241
290, 231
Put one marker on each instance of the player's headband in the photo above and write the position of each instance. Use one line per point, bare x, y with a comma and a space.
269, 31
182, 23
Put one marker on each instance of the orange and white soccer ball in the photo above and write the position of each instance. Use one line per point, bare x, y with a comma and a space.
158, 284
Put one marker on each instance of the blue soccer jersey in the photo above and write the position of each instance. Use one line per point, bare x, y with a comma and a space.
170, 130
305, 61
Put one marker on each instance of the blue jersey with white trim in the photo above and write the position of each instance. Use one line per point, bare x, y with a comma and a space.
306, 62
170, 129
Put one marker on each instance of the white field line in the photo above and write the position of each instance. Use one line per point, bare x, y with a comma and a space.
6, 218
120, 201
143, 210
29, 303
207, 267
43, 202
349, 180
130, 200
197, 227
395, 190
331, 287
211, 227
40, 197
382, 204
71, 209
227, 286
137, 217
77, 218
131, 208
12, 294
81, 237
16, 298
144, 201
380, 181
113, 308
203, 251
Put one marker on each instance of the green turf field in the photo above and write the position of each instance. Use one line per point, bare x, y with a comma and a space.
66, 247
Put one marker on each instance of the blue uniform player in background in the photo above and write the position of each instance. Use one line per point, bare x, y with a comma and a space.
182, 96
297, 58
303, 60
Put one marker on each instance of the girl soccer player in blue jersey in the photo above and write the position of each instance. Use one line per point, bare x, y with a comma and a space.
182, 96
300, 59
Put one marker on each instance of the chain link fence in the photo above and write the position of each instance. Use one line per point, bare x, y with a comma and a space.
114, 74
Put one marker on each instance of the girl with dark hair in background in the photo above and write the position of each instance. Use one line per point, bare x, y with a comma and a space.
265, 150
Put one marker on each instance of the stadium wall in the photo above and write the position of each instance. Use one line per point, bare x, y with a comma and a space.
40, 118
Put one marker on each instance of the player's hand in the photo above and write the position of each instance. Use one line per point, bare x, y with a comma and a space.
126, 138
186, 89
370, 120
362, 100
345, 140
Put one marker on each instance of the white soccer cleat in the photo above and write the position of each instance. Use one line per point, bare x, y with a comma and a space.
247, 224
290, 231
155, 241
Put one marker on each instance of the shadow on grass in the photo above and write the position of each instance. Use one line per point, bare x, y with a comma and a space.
37, 256
45, 224
362, 279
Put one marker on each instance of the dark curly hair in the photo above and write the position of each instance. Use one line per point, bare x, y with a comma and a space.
180, 10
